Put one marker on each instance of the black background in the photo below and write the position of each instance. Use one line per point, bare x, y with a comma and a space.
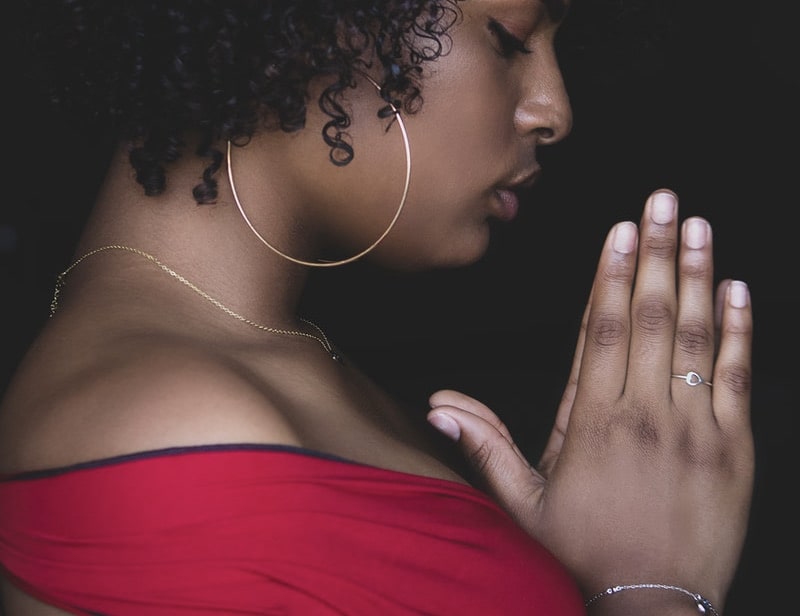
700, 97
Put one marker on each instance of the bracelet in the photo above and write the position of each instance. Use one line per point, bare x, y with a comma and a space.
703, 605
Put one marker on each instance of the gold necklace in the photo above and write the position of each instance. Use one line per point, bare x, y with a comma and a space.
322, 339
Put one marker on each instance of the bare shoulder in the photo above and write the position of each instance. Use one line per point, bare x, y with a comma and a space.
138, 397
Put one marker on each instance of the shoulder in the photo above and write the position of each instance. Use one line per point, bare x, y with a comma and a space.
138, 397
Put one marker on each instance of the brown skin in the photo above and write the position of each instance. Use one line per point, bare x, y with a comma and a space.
160, 366
112, 307
463, 146
644, 479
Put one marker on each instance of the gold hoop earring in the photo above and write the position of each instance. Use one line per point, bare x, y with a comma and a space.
407, 148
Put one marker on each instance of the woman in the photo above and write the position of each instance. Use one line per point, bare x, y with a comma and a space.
208, 450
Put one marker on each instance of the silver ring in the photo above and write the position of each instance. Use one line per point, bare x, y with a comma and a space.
692, 379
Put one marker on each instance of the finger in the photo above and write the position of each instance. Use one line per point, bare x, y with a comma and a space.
508, 477
654, 302
604, 356
456, 399
693, 347
556, 439
606, 339
733, 368
719, 305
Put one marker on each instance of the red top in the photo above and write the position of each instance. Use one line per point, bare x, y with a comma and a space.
254, 529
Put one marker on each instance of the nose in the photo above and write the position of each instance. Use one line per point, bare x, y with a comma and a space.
543, 108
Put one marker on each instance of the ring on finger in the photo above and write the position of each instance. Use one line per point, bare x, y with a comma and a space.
692, 379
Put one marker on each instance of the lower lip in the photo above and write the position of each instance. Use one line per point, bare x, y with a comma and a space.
509, 205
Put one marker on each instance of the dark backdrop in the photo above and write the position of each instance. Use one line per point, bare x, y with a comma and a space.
699, 97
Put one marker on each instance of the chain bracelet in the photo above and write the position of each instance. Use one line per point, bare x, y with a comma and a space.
703, 605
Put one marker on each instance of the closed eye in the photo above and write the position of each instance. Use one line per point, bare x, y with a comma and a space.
509, 44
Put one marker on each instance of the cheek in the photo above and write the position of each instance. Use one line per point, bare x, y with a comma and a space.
458, 152
468, 120
432, 233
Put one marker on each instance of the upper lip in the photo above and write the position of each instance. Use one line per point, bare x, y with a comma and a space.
523, 179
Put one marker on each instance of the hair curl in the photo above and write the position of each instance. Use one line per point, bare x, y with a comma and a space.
153, 71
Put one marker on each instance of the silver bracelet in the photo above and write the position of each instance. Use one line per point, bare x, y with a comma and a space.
703, 605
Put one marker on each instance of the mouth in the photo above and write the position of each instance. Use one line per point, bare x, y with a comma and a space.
525, 180
507, 197
507, 204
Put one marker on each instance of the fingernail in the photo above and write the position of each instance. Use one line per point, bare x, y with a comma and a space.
737, 294
624, 237
696, 233
662, 209
446, 425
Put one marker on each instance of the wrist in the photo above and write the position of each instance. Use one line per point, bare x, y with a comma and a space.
635, 599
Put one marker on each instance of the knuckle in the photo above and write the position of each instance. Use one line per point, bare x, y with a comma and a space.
618, 271
645, 432
660, 246
694, 338
481, 458
736, 377
634, 427
695, 270
653, 314
735, 329
701, 453
607, 331
717, 457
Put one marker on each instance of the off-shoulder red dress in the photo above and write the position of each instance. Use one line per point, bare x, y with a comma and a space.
255, 529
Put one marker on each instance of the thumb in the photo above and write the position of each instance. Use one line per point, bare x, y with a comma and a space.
487, 445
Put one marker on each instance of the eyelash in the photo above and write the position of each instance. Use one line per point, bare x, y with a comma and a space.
509, 44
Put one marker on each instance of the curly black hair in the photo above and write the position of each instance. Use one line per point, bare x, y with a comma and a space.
152, 71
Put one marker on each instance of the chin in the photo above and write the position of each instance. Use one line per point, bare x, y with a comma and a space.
426, 262
433, 253
451, 257
474, 249
467, 252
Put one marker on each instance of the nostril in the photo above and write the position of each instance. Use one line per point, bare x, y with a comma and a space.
545, 132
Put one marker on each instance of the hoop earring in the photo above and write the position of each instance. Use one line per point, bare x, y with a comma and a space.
407, 149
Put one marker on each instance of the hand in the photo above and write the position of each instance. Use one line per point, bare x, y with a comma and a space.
644, 478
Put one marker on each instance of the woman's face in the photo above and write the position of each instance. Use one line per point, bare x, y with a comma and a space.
488, 105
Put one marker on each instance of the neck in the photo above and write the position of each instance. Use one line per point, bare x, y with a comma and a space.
208, 244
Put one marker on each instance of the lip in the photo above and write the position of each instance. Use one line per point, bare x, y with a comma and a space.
508, 204
507, 197
524, 180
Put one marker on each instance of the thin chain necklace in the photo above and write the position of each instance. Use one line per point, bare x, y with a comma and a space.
322, 339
